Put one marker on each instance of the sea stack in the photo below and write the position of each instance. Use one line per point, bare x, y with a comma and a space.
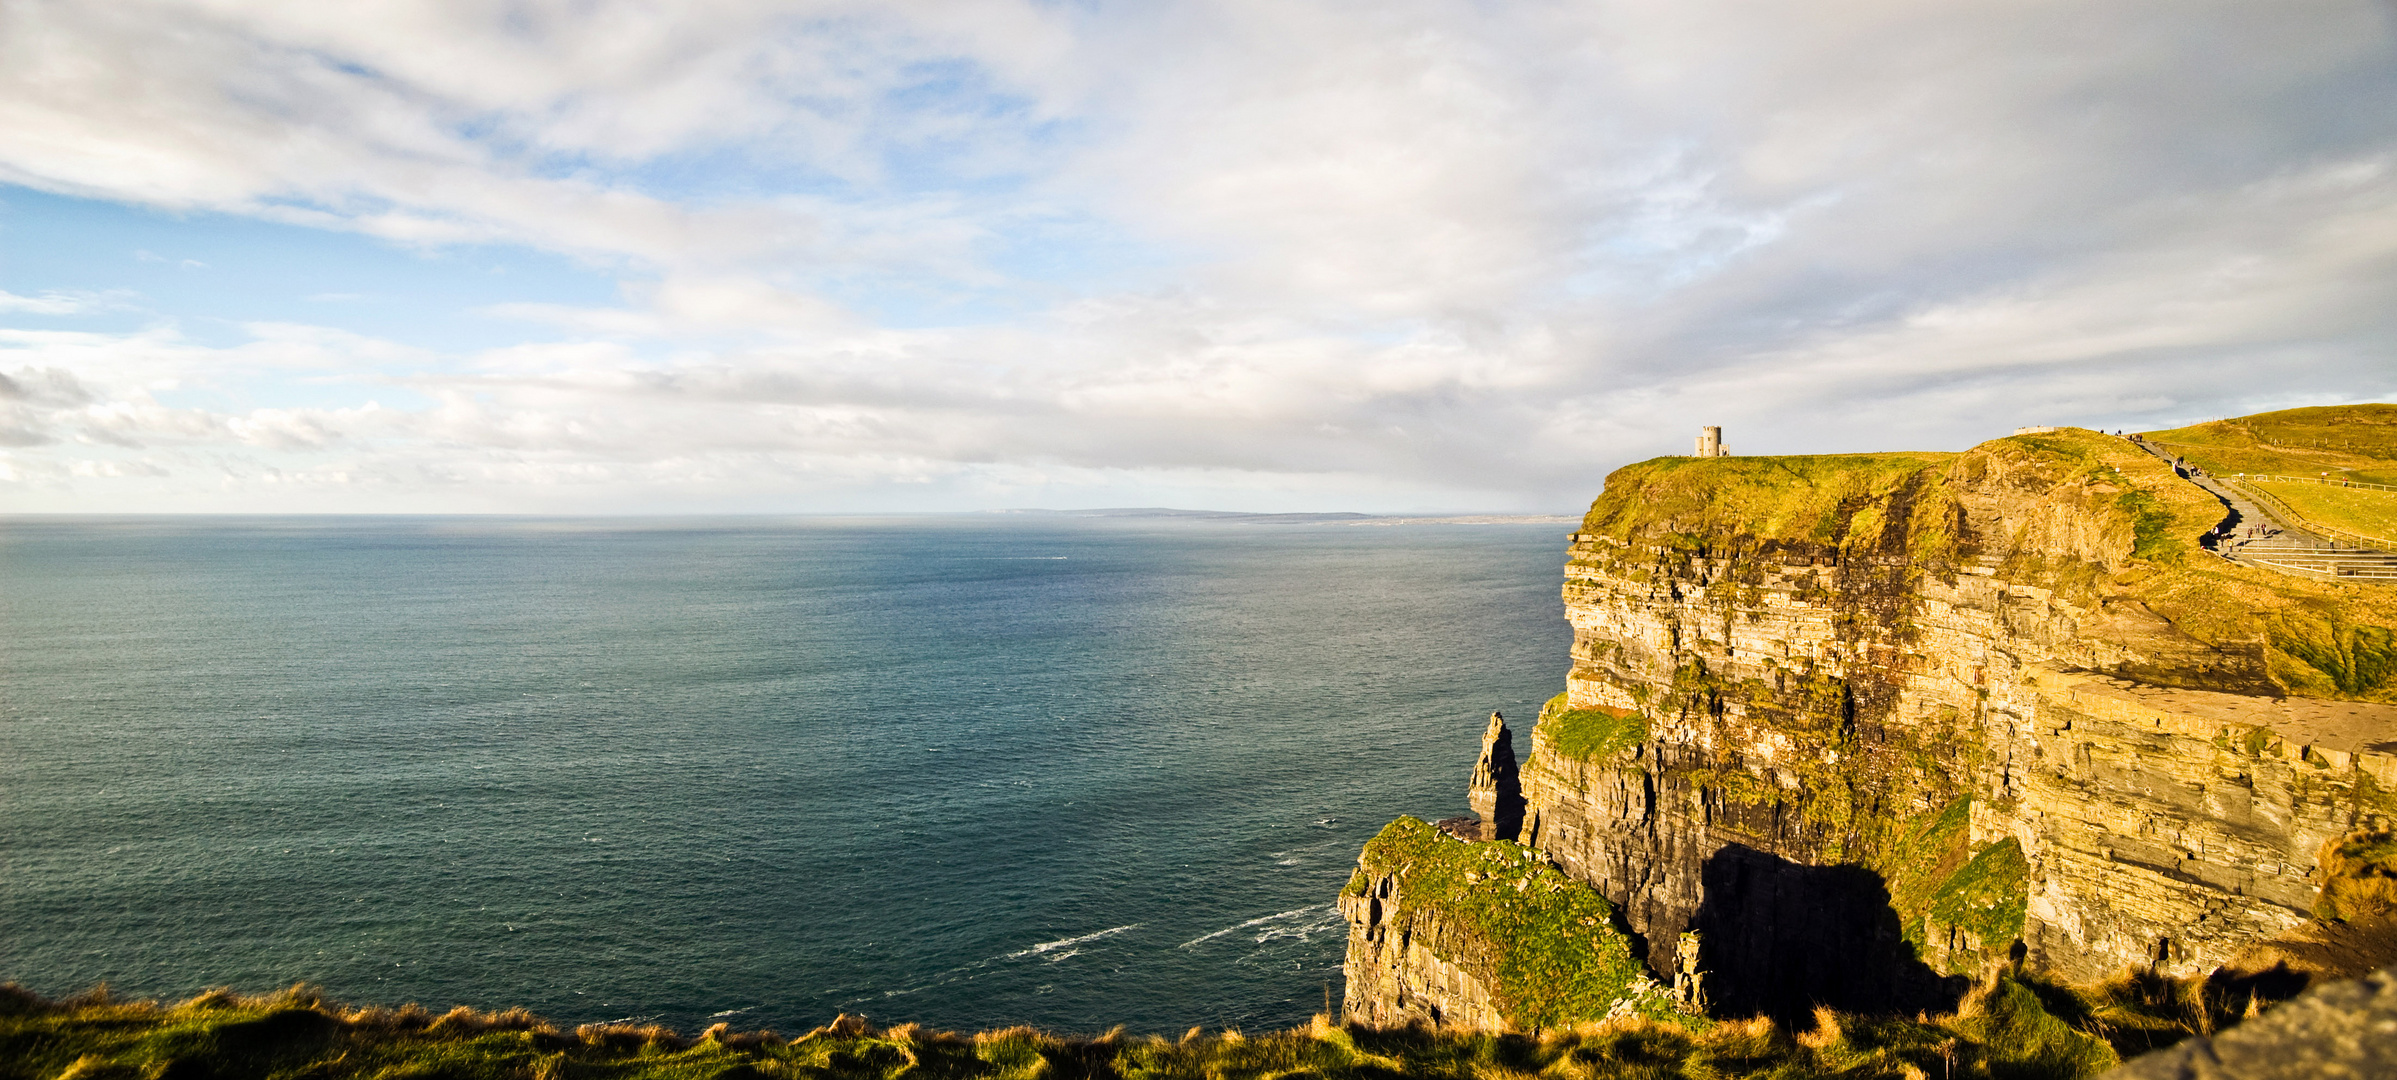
1496, 794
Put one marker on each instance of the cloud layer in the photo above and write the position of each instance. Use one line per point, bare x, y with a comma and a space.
1389, 255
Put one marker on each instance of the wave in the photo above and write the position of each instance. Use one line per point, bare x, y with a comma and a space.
1063, 942
1311, 909
982, 967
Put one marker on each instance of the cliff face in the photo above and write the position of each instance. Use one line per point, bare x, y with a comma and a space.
1478, 934
1864, 722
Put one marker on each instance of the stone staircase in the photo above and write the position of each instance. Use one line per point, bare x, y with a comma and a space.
2300, 554
2254, 534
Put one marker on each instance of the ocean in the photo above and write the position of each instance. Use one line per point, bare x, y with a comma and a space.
968, 771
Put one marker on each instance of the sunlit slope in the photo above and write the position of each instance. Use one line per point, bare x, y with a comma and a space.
2352, 442
1795, 498
2082, 512
2349, 513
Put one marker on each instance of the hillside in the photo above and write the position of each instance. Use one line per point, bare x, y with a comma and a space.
2353, 442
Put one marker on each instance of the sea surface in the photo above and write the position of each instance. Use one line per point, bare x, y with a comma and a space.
969, 771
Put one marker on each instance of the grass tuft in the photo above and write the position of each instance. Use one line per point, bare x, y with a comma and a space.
2008, 1028
2359, 874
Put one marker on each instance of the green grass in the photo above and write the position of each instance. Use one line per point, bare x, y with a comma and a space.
1918, 859
1590, 734
2013, 1015
2294, 441
1543, 943
1936, 881
2357, 661
2355, 510
2151, 526
2351, 442
2005, 1029
1988, 896
1830, 499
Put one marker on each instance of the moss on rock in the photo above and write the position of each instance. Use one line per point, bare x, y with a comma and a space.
1543, 943
1988, 897
1590, 734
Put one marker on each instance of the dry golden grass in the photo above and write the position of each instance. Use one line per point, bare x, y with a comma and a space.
2007, 1026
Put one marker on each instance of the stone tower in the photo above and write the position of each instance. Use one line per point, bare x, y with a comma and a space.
1496, 794
1710, 442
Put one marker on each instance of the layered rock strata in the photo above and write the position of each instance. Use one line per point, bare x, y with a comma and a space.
1802, 705
1865, 724
1401, 972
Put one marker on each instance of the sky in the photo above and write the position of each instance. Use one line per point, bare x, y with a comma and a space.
1410, 256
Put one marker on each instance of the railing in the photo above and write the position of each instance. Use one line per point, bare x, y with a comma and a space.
2329, 569
2244, 485
2265, 479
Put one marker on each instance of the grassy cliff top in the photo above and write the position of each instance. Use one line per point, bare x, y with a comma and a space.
1900, 503
2355, 442
2086, 514
1797, 498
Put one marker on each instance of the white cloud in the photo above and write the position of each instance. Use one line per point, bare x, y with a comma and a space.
51, 302
1434, 251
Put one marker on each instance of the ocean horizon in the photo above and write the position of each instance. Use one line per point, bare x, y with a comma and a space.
966, 770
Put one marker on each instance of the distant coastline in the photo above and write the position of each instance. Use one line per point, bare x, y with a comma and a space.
1239, 517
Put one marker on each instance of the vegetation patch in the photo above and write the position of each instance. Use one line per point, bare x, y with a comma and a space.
1920, 857
2352, 660
2354, 510
2344, 440
2009, 1013
2359, 876
2151, 527
1591, 734
2008, 1028
1543, 943
1988, 897
1819, 500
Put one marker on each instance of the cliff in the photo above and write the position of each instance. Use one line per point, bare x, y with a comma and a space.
1866, 722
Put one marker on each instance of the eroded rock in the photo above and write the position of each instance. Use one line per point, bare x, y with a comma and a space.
2342, 1031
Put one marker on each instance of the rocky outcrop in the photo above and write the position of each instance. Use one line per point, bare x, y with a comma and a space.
1496, 791
1401, 972
1868, 723
2343, 1031
1480, 934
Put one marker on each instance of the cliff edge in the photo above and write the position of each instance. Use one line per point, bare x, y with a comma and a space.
1864, 724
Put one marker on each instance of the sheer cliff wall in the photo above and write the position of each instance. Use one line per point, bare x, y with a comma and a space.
1865, 722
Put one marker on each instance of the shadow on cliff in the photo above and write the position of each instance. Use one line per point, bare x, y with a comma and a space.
1780, 938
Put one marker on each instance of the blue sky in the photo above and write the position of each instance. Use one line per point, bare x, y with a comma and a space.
1402, 256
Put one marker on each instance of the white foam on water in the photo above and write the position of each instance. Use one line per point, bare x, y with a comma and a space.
1258, 921
1060, 943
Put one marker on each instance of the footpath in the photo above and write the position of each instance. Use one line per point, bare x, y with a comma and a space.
2255, 535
